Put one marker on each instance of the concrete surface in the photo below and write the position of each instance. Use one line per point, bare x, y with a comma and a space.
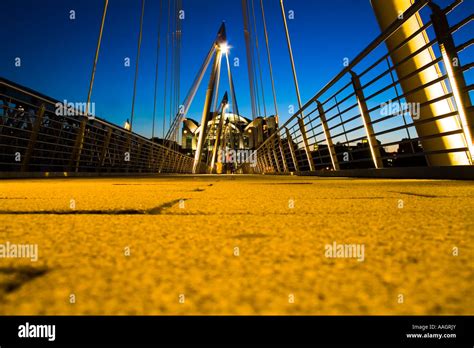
238, 245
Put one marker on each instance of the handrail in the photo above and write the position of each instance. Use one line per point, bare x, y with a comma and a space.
417, 6
6, 82
47, 142
336, 111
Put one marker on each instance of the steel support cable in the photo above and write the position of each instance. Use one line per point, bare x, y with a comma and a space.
269, 59
172, 77
158, 44
193, 90
136, 66
388, 32
235, 109
175, 110
96, 58
79, 141
254, 63
173, 59
166, 71
290, 51
249, 56
178, 35
259, 65
231, 85
178, 80
300, 110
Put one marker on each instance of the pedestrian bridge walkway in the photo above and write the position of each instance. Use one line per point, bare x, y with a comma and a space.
238, 245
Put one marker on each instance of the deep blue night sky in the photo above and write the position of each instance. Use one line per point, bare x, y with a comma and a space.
57, 52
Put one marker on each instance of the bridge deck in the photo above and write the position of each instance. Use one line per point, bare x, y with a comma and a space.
408, 229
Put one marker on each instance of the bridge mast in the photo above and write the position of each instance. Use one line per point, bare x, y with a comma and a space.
218, 48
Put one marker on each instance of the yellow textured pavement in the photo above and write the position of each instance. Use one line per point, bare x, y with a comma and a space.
237, 245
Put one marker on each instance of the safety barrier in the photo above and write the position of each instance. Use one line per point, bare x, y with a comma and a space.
361, 118
35, 137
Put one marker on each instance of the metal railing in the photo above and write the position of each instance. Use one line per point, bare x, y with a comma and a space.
344, 126
34, 138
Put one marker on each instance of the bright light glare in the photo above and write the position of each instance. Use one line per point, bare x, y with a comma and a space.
224, 48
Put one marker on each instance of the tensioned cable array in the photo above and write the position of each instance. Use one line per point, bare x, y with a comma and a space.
269, 59
158, 44
259, 65
136, 65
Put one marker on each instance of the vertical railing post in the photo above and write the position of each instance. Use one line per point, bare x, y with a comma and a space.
292, 149
259, 165
185, 165
150, 156
177, 163
145, 164
450, 57
327, 135
270, 161
105, 147
128, 148
306, 144
78, 144
369, 130
283, 157
33, 137
275, 155
260, 162
181, 164
165, 157
265, 160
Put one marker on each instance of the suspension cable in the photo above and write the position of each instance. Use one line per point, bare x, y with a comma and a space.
158, 44
136, 65
166, 69
178, 79
259, 65
254, 69
178, 62
290, 51
192, 92
94, 66
172, 76
249, 56
269, 59
235, 109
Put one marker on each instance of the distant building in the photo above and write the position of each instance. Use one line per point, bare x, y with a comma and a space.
239, 132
